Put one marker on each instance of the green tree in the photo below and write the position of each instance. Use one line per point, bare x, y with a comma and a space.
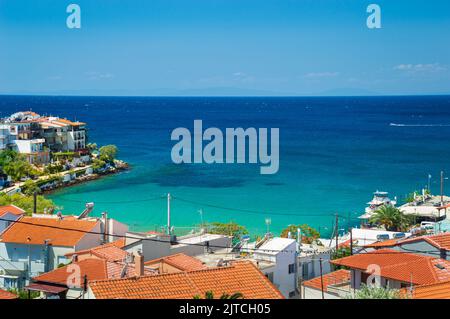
309, 234
367, 292
210, 295
27, 202
231, 229
17, 169
29, 187
108, 153
391, 218
97, 164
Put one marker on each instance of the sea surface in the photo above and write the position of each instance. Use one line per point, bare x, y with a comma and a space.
334, 153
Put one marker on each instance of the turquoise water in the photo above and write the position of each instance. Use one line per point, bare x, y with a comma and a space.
334, 152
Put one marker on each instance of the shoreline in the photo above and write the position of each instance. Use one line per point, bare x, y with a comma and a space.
87, 178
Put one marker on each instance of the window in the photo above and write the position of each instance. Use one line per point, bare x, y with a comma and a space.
291, 268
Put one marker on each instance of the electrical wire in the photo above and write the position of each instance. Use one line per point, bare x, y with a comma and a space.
191, 244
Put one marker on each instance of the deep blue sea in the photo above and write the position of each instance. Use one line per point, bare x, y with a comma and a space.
334, 152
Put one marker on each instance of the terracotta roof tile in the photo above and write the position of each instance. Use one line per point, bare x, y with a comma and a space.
7, 295
401, 266
93, 269
180, 261
35, 230
241, 277
109, 251
11, 209
332, 278
439, 241
432, 291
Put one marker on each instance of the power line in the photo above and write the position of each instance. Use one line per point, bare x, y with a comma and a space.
188, 244
115, 202
281, 213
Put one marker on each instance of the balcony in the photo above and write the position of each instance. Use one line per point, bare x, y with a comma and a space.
13, 265
36, 266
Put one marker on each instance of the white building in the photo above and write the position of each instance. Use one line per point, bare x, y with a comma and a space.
283, 253
35, 245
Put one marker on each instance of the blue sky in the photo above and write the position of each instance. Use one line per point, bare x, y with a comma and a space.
224, 47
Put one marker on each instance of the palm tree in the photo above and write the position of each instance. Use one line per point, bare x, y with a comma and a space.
210, 295
391, 218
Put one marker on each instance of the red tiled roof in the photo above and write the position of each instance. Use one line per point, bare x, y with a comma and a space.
93, 269
433, 291
384, 243
110, 251
35, 230
11, 209
241, 277
180, 261
440, 241
332, 278
7, 295
400, 266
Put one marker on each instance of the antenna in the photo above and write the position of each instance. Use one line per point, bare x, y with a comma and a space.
268, 221
168, 214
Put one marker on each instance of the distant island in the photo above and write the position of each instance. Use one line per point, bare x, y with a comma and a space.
39, 154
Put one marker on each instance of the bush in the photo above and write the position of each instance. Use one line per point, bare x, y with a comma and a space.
27, 203
309, 234
29, 187
367, 292
108, 153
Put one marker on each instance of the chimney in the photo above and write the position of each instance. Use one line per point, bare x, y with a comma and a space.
139, 264
105, 227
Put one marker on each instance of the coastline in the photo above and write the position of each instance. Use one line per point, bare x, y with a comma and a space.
87, 178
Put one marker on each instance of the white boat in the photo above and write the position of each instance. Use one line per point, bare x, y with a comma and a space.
379, 199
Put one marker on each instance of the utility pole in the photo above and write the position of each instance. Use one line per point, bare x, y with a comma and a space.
34, 202
337, 232
321, 278
442, 188
168, 213
351, 241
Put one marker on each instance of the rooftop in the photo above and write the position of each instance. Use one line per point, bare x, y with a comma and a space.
180, 261
433, 291
400, 266
93, 269
36, 230
11, 209
111, 251
332, 278
275, 245
241, 277
440, 241
7, 295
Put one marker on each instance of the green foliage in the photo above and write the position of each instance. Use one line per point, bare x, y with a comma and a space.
53, 168
64, 155
410, 197
27, 203
97, 164
92, 146
230, 229
29, 187
367, 292
210, 295
15, 165
23, 294
309, 234
391, 218
108, 153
